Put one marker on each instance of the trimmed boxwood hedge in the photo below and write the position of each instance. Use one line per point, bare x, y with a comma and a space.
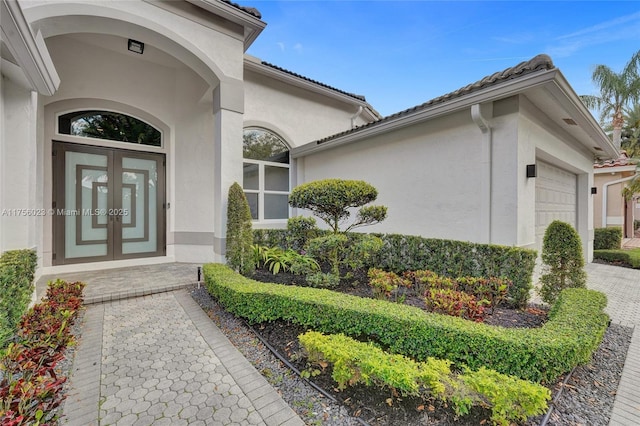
607, 238
445, 257
17, 269
574, 330
628, 257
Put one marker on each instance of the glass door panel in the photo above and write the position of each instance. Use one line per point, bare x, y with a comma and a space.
139, 205
85, 208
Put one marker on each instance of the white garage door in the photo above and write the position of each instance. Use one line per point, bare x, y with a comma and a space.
555, 198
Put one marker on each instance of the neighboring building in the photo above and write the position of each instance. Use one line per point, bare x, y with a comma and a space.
122, 126
610, 207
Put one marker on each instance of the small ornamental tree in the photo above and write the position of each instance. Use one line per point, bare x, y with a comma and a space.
239, 233
331, 199
562, 261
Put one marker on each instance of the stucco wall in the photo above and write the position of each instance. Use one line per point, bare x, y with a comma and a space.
425, 175
17, 166
298, 115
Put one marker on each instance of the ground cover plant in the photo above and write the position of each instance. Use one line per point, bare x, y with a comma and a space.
30, 389
574, 330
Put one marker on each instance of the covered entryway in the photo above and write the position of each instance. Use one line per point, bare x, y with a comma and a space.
108, 204
556, 191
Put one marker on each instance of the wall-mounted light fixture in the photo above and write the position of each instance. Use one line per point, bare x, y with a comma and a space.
594, 190
531, 170
135, 46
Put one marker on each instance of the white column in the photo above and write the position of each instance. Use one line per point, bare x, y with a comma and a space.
228, 109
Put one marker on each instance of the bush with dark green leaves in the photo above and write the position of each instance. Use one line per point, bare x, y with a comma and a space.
239, 253
607, 238
626, 257
574, 330
447, 258
300, 230
562, 261
332, 199
17, 269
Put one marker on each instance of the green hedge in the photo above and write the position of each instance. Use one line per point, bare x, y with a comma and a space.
607, 238
17, 269
445, 257
574, 330
628, 257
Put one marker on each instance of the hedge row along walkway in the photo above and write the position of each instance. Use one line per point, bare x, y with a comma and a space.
158, 359
622, 287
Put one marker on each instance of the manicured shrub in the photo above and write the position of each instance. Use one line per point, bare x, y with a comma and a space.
17, 269
627, 257
239, 234
331, 199
509, 398
563, 264
323, 280
447, 258
607, 238
300, 230
328, 248
574, 330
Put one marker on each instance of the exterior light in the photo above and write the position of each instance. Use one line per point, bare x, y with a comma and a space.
531, 170
594, 190
135, 46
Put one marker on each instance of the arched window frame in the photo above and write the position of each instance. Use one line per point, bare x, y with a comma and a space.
80, 112
265, 200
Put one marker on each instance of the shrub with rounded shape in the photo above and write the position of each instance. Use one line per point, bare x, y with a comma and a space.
562, 261
239, 233
330, 199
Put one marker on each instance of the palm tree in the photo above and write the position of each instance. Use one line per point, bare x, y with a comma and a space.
617, 91
631, 131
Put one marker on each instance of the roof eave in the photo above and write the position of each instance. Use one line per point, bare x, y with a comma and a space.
256, 66
28, 50
252, 25
614, 169
494, 92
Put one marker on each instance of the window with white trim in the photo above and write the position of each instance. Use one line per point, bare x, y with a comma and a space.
266, 180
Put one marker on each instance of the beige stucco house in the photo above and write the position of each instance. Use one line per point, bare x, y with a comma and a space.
493, 162
610, 207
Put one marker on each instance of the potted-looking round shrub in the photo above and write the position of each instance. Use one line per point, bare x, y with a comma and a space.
563, 263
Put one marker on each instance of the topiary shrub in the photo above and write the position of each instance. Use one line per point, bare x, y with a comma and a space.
239, 254
331, 199
562, 261
607, 238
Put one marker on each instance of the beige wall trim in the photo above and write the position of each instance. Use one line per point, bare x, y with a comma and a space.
193, 238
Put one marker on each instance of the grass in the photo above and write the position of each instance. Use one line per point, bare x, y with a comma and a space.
628, 257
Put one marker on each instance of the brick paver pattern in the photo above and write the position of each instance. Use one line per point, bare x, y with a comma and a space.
172, 378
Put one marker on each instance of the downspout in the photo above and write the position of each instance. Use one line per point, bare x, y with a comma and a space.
355, 116
486, 173
605, 191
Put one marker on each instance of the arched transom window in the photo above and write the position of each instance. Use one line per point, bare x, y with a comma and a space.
266, 174
109, 125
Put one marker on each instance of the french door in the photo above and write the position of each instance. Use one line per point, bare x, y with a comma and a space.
108, 204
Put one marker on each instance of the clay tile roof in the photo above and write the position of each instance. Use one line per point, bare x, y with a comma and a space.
359, 97
540, 62
250, 10
622, 160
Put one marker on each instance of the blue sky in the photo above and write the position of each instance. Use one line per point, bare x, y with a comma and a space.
403, 53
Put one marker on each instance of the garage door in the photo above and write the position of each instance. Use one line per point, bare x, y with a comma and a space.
555, 198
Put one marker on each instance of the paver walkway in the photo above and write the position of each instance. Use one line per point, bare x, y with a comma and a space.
159, 360
622, 287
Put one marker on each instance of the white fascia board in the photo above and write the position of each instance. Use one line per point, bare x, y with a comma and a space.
491, 93
29, 51
254, 64
252, 25
571, 102
613, 169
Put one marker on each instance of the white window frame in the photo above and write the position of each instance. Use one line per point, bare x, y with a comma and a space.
262, 191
